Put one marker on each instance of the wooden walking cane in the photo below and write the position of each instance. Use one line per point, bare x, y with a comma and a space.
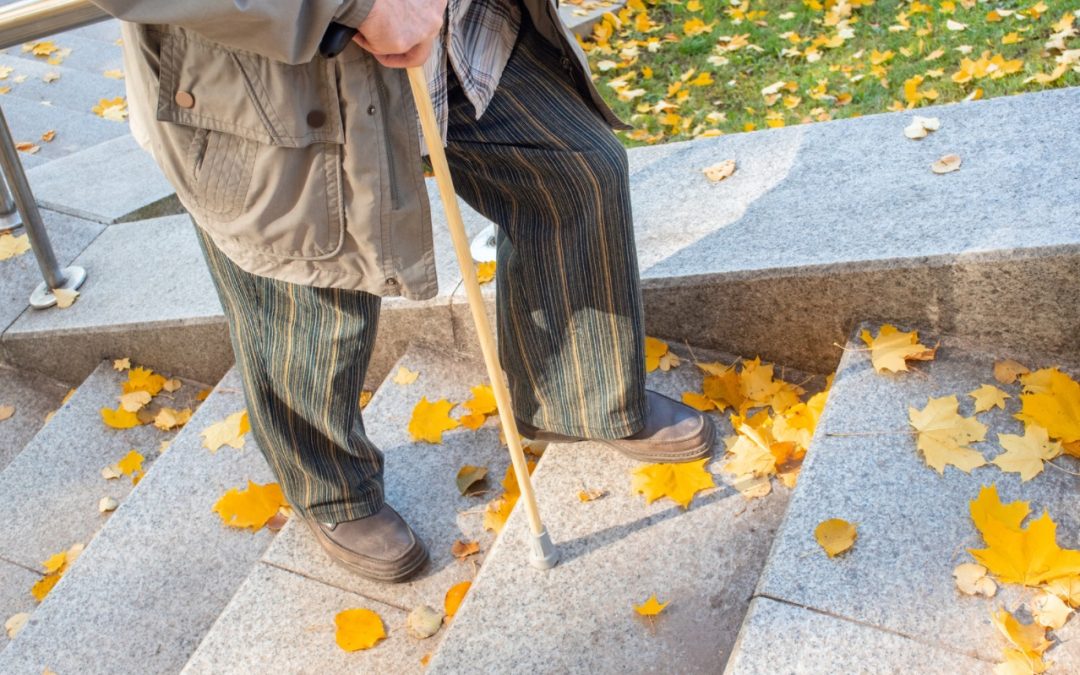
543, 554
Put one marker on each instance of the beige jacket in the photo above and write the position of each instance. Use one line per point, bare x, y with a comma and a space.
301, 168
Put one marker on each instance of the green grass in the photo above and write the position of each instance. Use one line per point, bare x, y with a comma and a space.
841, 82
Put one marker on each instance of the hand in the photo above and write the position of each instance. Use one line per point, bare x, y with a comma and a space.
400, 33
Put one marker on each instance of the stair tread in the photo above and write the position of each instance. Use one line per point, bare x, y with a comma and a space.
33, 396
75, 131
162, 568
913, 525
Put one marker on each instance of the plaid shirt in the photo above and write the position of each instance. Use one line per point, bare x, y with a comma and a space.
477, 38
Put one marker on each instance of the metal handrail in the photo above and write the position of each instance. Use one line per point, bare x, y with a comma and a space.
21, 22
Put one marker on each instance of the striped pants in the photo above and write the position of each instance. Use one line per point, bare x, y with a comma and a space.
544, 166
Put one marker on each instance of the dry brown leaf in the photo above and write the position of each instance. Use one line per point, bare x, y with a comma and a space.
946, 164
464, 549
1008, 370
48, 136
6, 411
971, 579
591, 495
721, 171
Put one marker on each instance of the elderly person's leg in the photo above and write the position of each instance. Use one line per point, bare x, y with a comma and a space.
544, 166
302, 353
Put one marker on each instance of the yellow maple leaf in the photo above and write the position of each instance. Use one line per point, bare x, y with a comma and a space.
944, 436
988, 396
972, 580
1049, 610
1026, 454
482, 402
485, 271
134, 401
835, 536
429, 420
251, 507
454, 596
659, 355
1038, 382
130, 464
757, 383
43, 585
891, 349
751, 454
1057, 410
698, 401
1028, 556
119, 418
357, 629
112, 109
143, 379
651, 607
1067, 588
724, 389
169, 418
496, 513
472, 421
365, 398
1008, 370
678, 482
11, 245
1028, 639
229, 431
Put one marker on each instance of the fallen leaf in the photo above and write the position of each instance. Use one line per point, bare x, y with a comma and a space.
43, 586
143, 379
718, 172
358, 629
591, 495
651, 607
946, 164
429, 420
11, 245
119, 418
65, 297
1029, 639
751, 454
251, 507
16, 623
110, 473
134, 401
1008, 370
482, 402
1067, 588
6, 411
835, 536
698, 401
1057, 410
1025, 454
988, 396
27, 147
107, 504
130, 464
658, 355
462, 549
112, 109
50, 77
454, 596
172, 385
921, 126
114, 74
496, 513
971, 579
205, 394
944, 436
229, 431
891, 349
405, 376
678, 482
485, 271
472, 421
1050, 611
121, 364
468, 476
365, 398
48, 136
169, 418
423, 622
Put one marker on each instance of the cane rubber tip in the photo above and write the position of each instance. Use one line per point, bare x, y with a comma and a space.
544, 555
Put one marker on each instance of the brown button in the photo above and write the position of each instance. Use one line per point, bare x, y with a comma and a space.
184, 99
316, 118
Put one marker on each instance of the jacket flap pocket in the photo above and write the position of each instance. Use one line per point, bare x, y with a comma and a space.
208, 86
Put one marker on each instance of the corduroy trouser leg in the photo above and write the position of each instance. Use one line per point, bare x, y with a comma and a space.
543, 165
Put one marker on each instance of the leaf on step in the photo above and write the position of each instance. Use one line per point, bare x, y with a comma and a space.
988, 396
143, 379
678, 482
464, 549
971, 579
112, 109
119, 418
423, 622
496, 513
43, 586
172, 385
50, 77
1027, 639
944, 436
485, 271
1008, 370
472, 422
1050, 611
1025, 454
134, 401
835, 536
169, 418
404, 376
454, 596
947, 164
55, 567
131, 464
251, 507
1067, 588
751, 455
482, 402
15, 623
205, 394
107, 505
1028, 556
6, 411
429, 420
114, 74
891, 349
358, 629
43, 49
28, 147
48, 136
1056, 409
721, 171
651, 607
590, 495
659, 355
121, 364
698, 401
229, 431
11, 246
468, 476
365, 398
65, 297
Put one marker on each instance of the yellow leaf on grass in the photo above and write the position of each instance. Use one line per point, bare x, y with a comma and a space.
130, 464
229, 431
651, 607
482, 402
357, 629
251, 507
1029, 556
678, 482
405, 376
1056, 410
1026, 454
454, 596
119, 418
1008, 370
143, 379
485, 271
429, 420
835, 536
891, 349
988, 396
944, 436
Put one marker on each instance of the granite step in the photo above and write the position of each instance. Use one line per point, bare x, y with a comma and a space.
893, 594
615, 553
73, 89
33, 397
161, 569
88, 54
75, 131
49, 492
281, 619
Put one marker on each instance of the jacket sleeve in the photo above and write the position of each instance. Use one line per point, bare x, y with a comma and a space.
283, 30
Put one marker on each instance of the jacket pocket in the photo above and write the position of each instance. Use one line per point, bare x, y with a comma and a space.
253, 146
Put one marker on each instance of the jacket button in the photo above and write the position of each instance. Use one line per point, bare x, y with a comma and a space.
316, 118
184, 99
565, 61
371, 110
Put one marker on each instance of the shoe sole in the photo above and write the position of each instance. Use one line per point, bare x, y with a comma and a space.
410, 565
699, 451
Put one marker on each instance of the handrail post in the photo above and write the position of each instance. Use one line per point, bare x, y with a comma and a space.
55, 278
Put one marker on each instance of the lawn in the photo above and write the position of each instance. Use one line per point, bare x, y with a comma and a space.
681, 70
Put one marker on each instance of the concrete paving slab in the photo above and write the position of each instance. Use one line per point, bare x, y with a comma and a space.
165, 551
420, 484
133, 188
280, 622
74, 90
615, 552
75, 131
914, 525
779, 638
33, 396
15, 584
49, 493
154, 303
87, 53
20, 276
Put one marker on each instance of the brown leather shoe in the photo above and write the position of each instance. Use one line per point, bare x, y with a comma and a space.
673, 432
381, 547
